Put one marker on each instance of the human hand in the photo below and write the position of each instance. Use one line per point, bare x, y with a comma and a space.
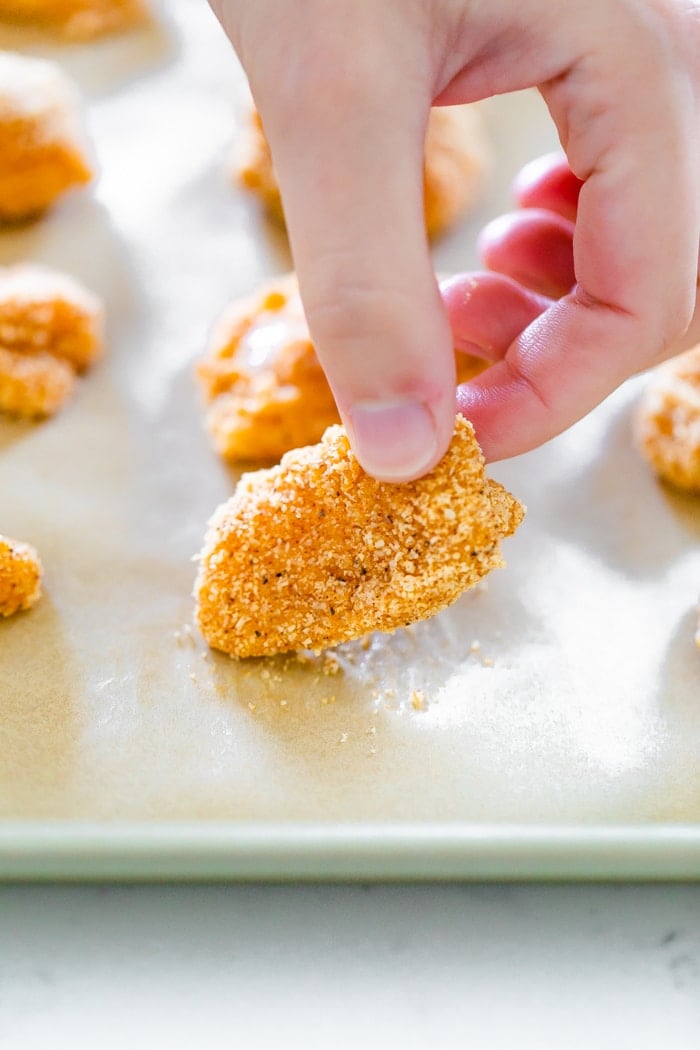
530, 254
344, 90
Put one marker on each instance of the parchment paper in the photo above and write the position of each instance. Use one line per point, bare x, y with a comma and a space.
568, 689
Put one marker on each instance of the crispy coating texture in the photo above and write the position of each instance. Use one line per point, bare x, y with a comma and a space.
50, 330
314, 552
20, 576
43, 149
668, 421
457, 159
263, 382
76, 19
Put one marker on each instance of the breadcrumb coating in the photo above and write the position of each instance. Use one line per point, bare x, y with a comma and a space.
667, 425
77, 19
457, 160
314, 552
43, 148
263, 382
50, 330
20, 576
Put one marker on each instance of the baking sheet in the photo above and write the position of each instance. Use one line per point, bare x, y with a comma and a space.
560, 702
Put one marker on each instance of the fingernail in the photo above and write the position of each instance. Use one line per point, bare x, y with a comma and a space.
393, 440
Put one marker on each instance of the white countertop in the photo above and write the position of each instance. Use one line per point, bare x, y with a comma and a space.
251, 966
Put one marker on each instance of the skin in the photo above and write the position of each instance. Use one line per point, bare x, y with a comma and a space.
597, 273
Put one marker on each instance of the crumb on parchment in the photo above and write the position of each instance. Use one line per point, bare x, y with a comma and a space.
314, 552
20, 576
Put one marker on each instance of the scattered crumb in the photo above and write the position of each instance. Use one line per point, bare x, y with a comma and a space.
418, 700
331, 665
475, 647
487, 661
343, 738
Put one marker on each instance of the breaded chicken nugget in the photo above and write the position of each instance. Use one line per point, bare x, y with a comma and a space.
457, 159
265, 387
43, 149
50, 329
667, 425
76, 19
20, 576
314, 552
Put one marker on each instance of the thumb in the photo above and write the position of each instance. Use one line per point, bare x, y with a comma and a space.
349, 161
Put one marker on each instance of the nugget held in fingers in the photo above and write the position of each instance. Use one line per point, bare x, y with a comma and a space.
43, 147
76, 19
668, 421
314, 552
457, 159
20, 576
50, 330
263, 382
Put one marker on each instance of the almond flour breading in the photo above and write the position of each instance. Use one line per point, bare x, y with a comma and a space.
50, 329
314, 552
264, 384
43, 149
20, 576
668, 421
457, 159
76, 19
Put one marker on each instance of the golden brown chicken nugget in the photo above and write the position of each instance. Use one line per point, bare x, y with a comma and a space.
457, 160
76, 19
263, 382
50, 329
20, 576
314, 551
667, 425
43, 149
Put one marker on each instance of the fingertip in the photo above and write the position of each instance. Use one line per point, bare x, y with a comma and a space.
548, 182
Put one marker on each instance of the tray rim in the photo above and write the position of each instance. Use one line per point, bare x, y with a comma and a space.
35, 851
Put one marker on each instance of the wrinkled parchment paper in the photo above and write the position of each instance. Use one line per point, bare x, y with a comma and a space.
567, 689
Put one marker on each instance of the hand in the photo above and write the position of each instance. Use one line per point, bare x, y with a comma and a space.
344, 89
531, 255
